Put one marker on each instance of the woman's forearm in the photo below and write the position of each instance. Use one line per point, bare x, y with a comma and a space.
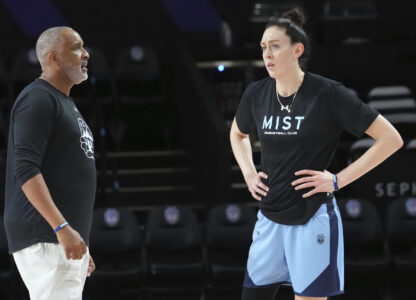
241, 147
384, 146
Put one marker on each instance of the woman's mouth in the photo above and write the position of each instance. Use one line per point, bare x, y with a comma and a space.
270, 65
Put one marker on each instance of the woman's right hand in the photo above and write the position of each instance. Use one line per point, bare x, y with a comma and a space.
256, 186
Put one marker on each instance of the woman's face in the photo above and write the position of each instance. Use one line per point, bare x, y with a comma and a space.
279, 54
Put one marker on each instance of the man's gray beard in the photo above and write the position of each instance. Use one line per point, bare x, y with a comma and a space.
75, 73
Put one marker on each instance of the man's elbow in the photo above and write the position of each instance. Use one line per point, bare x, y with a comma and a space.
25, 173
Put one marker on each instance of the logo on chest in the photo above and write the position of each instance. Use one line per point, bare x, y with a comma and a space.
86, 139
282, 126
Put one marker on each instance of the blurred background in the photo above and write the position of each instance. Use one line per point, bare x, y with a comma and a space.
173, 215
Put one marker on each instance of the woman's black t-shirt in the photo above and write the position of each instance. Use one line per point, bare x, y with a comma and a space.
305, 138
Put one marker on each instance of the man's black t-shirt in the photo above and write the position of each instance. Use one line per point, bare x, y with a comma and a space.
48, 135
305, 138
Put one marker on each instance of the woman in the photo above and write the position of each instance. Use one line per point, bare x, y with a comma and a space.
299, 117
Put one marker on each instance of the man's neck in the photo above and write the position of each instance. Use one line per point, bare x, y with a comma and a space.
57, 83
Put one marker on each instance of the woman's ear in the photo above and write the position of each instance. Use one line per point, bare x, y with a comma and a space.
299, 49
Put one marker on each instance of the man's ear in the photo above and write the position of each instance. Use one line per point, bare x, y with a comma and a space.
52, 58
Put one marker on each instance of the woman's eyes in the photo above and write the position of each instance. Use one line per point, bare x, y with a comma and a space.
273, 46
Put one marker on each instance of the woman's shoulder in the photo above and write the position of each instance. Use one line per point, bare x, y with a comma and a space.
324, 86
260, 85
322, 81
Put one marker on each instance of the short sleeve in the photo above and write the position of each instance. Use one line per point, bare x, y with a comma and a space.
244, 115
349, 112
33, 120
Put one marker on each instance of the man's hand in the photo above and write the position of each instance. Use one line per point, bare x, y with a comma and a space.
91, 267
256, 186
72, 243
321, 181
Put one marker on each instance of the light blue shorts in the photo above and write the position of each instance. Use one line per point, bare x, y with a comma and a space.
309, 256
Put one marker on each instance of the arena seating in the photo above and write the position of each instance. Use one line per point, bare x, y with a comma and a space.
228, 237
401, 233
146, 159
141, 94
116, 246
174, 253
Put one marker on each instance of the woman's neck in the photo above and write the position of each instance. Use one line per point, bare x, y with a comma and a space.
289, 83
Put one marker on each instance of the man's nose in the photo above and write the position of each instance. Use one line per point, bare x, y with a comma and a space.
85, 54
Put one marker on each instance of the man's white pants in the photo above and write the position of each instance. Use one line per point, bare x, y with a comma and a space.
49, 275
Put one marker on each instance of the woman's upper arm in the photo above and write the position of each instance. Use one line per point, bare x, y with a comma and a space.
236, 131
382, 128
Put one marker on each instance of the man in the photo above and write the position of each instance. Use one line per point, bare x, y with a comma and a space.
51, 175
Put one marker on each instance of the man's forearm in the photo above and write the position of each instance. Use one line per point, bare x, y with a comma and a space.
38, 194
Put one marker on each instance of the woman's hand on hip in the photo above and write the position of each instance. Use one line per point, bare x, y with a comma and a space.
256, 187
321, 181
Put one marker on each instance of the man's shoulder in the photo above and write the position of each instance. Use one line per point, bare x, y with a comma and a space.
35, 92
36, 97
36, 88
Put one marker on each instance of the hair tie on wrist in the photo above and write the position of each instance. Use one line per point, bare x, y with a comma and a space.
335, 182
61, 226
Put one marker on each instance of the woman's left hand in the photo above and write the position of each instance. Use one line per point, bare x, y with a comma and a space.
321, 181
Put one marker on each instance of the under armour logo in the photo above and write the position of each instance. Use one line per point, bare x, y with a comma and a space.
320, 239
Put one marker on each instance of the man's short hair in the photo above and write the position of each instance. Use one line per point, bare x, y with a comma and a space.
48, 41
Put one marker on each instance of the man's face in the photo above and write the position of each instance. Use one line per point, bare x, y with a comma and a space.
74, 58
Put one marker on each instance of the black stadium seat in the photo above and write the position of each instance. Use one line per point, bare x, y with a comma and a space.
138, 76
389, 92
366, 256
393, 106
174, 253
401, 231
140, 91
391, 179
117, 249
405, 123
227, 82
343, 20
228, 236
